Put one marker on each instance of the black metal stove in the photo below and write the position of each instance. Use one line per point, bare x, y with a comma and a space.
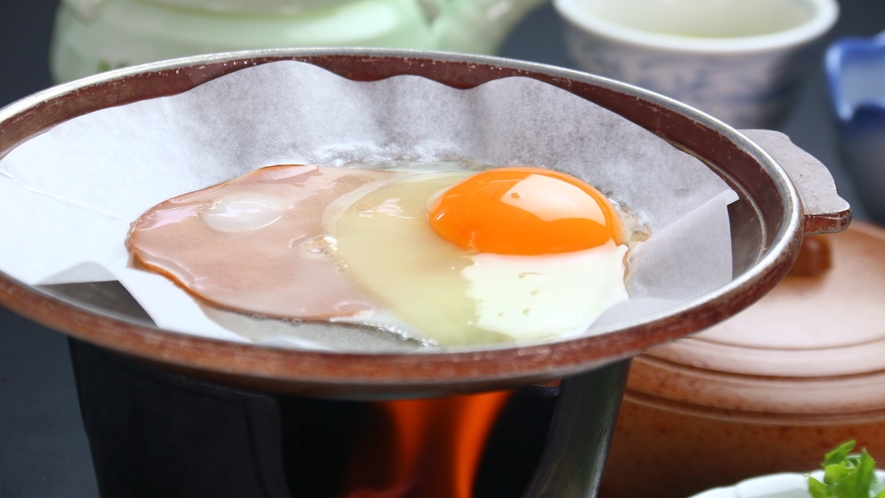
154, 433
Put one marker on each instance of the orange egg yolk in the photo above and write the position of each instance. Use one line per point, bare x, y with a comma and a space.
524, 211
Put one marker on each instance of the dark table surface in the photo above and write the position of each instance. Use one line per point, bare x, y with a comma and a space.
43, 449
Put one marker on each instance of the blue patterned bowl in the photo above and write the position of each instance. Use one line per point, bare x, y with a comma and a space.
742, 61
856, 77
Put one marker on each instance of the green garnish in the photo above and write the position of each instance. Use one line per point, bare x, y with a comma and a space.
847, 476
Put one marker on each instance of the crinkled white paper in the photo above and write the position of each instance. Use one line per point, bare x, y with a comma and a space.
70, 194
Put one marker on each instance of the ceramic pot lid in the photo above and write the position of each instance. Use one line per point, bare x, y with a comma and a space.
813, 345
828, 324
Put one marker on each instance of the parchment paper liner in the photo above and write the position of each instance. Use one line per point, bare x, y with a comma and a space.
74, 190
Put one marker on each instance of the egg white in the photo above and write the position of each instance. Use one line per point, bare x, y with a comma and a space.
536, 297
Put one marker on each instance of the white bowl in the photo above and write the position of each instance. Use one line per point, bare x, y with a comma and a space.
786, 485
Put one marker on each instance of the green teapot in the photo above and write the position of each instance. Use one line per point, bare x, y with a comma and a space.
92, 36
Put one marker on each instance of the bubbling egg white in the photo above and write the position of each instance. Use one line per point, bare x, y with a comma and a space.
455, 259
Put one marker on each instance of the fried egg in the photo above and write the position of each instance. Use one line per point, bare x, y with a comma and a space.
455, 258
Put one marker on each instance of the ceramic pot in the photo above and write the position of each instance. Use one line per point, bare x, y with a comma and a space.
768, 223
771, 390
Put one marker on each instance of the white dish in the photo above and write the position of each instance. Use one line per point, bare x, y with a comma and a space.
785, 485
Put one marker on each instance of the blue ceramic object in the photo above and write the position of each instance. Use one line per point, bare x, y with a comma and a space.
856, 76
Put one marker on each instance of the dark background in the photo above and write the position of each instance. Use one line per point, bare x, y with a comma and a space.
43, 449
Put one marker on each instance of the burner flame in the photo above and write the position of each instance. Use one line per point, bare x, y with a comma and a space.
429, 448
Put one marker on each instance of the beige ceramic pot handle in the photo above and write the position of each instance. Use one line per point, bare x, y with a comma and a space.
825, 211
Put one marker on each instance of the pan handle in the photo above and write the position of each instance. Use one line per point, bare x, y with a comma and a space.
825, 211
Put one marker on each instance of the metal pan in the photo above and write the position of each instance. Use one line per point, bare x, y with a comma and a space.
768, 223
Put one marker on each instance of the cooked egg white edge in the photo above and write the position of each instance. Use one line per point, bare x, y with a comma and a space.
389, 321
